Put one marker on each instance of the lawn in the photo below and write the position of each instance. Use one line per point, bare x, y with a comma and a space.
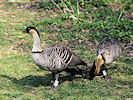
21, 79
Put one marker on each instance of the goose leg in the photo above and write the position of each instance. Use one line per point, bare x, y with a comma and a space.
104, 72
55, 83
81, 72
105, 75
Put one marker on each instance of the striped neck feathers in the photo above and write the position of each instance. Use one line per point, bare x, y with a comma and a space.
98, 63
36, 42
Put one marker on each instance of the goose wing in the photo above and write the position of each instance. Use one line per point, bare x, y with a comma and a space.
64, 56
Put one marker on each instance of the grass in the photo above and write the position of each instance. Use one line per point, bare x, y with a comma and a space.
20, 79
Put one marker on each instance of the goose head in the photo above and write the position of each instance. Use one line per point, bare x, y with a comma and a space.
31, 30
97, 65
98, 62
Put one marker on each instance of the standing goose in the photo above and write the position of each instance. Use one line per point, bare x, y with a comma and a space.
54, 59
108, 51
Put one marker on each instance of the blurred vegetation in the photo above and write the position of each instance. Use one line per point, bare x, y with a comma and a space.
79, 27
91, 19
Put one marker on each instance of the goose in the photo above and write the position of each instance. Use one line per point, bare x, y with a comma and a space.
54, 59
108, 51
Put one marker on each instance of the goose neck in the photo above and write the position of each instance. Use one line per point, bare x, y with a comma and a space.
36, 43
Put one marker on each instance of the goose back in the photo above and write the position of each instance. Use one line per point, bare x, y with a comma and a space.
109, 49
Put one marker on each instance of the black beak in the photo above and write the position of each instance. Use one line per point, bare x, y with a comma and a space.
24, 31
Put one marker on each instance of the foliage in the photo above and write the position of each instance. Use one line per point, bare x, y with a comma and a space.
21, 79
98, 16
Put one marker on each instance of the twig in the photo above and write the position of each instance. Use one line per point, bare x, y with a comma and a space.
51, 10
54, 24
66, 7
71, 6
72, 15
117, 20
78, 7
75, 18
120, 16
57, 5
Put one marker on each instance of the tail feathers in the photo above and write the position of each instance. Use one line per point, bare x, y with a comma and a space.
74, 71
83, 63
76, 61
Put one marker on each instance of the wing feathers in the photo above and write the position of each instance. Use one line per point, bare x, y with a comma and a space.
69, 58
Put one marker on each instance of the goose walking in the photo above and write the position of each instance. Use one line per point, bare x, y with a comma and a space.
108, 51
54, 59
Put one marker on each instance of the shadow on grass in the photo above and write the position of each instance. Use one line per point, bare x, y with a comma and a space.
125, 84
31, 80
37, 81
128, 61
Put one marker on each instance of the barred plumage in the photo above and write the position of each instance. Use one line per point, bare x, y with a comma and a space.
54, 59
108, 51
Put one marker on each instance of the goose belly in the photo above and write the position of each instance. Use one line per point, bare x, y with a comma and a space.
47, 63
38, 61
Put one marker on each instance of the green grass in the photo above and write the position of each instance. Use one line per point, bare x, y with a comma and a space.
20, 79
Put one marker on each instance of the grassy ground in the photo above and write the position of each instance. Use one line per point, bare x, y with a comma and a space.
20, 79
